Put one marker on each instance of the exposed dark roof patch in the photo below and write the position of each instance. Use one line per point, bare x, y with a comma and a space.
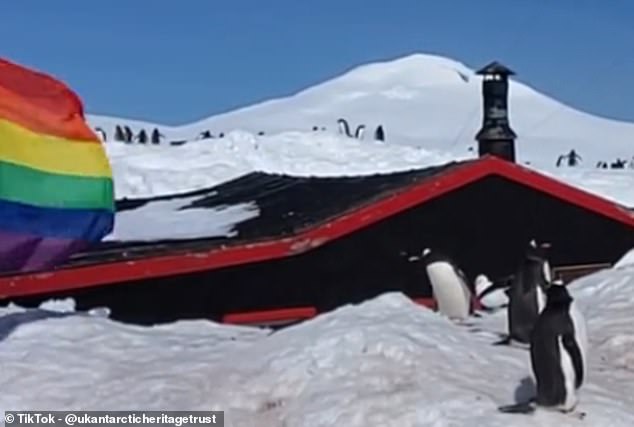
287, 204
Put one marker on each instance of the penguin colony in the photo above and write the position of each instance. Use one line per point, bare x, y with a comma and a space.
541, 316
125, 134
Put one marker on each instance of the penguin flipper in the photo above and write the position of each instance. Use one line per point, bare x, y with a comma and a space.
458, 271
570, 345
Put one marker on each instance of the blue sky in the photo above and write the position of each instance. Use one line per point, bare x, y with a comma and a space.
175, 62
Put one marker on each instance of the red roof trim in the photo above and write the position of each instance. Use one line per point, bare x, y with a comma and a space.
269, 316
297, 313
562, 191
444, 182
291, 314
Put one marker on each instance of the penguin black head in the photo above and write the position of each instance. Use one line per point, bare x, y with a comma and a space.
557, 294
537, 250
428, 256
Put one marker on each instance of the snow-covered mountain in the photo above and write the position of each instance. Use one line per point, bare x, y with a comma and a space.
430, 107
422, 100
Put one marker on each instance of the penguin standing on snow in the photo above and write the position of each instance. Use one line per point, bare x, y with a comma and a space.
449, 286
102, 132
359, 132
527, 296
343, 127
558, 350
118, 134
379, 133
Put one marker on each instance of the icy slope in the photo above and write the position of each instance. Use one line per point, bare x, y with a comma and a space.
387, 362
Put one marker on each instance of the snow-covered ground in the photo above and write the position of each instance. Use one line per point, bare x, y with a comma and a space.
386, 362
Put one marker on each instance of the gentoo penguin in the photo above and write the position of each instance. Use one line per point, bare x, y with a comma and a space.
558, 354
118, 134
379, 133
527, 294
449, 285
156, 136
128, 134
491, 295
558, 351
102, 132
359, 132
343, 127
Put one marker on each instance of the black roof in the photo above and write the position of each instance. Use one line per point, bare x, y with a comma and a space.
496, 68
287, 205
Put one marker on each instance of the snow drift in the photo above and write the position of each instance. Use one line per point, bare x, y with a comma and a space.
386, 362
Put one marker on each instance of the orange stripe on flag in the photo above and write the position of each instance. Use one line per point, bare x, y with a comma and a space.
41, 104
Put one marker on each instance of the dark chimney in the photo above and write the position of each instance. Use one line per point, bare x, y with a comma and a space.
496, 136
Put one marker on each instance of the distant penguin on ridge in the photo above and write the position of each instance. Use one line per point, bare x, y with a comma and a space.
359, 132
99, 130
527, 296
343, 127
156, 136
142, 136
379, 133
128, 134
118, 134
449, 285
558, 353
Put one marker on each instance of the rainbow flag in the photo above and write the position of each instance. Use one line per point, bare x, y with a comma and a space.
56, 187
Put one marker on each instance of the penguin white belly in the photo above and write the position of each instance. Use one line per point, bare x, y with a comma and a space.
450, 292
541, 299
547, 272
568, 371
581, 335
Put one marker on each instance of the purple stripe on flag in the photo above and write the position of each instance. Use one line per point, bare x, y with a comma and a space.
24, 253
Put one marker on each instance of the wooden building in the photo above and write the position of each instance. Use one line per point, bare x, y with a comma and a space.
322, 242
319, 243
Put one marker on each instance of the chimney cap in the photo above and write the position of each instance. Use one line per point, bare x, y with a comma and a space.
495, 68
